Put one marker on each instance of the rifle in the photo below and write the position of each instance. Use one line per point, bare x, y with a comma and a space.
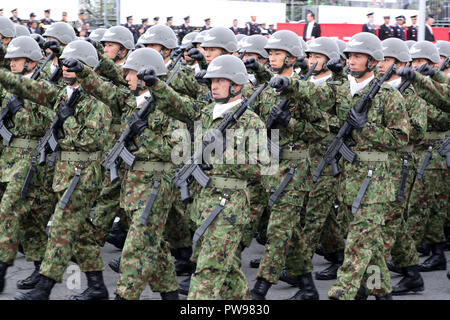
405, 84
444, 150
192, 170
13, 106
445, 64
176, 63
48, 143
283, 105
338, 148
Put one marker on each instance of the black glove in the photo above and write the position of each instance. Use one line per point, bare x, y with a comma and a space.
357, 120
137, 125
335, 65
301, 63
281, 116
199, 76
251, 64
52, 45
279, 83
73, 65
195, 54
177, 52
407, 73
64, 111
427, 70
148, 75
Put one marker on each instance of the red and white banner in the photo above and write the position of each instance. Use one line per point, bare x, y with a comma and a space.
346, 31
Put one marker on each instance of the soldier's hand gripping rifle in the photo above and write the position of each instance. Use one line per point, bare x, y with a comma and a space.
276, 113
49, 143
13, 106
338, 148
444, 151
405, 84
192, 169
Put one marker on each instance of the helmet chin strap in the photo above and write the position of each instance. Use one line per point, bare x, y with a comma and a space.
360, 74
25, 67
323, 69
118, 56
285, 64
138, 89
231, 94
162, 53
394, 70
69, 81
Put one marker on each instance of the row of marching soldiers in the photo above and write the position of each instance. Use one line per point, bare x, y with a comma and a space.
88, 101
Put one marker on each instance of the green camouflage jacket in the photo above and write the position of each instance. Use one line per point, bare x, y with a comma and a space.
433, 92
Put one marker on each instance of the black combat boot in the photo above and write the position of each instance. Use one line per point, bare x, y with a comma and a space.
96, 288
114, 264
117, 236
254, 263
385, 297
319, 250
262, 241
40, 292
260, 289
3, 267
118, 297
362, 293
391, 266
424, 249
447, 238
448, 275
436, 261
307, 290
292, 280
183, 286
411, 281
183, 265
169, 295
330, 273
32, 280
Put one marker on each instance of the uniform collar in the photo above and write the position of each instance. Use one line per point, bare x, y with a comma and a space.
221, 108
140, 100
70, 90
320, 80
356, 87
395, 83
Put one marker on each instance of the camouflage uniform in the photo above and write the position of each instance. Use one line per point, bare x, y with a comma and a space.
387, 129
24, 220
145, 256
433, 92
85, 133
218, 269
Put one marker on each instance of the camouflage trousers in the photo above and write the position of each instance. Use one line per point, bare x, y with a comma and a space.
334, 230
72, 234
179, 227
146, 255
427, 210
319, 208
284, 217
219, 270
107, 208
24, 221
364, 256
258, 200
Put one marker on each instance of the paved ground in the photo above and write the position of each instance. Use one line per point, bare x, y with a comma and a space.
437, 286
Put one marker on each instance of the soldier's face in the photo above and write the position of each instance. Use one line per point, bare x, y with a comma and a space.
440, 64
358, 61
132, 79
212, 53
17, 65
67, 74
385, 64
277, 57
200, 48
186, 57
4, 40
416, 63
220, 88
250, 55
316, 57
111, 49
413, 21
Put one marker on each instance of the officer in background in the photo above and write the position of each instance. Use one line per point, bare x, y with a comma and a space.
207, 25
47, 20
271, 29
413, 30
399, 30
145, 24
1, 12
385, 31
370, 26
252, 27
130, 26
235, 27
15, 17
155, 21
185, 28
169, 22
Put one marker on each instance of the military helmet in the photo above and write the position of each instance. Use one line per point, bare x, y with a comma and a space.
425, 50
254, 44
325, 46
365, 42
240, 40
396, 48
187, 40
162, 35
22, 31
285, 40
302, 43
81, 50
199, 37
7, 27
38, 38
228, 67
24, 47
240, 36
220, 37
410, 43
146, 57
61, 31
120, 35
97, 34
341, 45
443, 48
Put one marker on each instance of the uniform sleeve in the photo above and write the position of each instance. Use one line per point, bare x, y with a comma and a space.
433, 92
394, 133
174, 105
263, 74
417, 111
40, 92
111, 71
441, 77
